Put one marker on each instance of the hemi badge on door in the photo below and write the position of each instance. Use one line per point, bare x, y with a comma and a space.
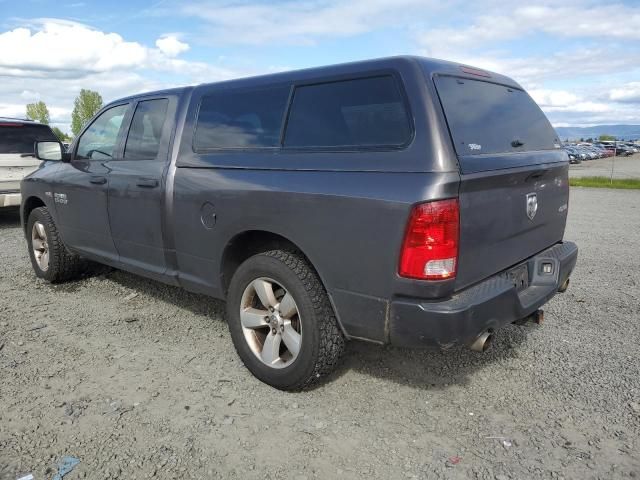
532, 205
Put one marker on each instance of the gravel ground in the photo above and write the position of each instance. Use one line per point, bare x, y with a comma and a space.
623, 167
137, 379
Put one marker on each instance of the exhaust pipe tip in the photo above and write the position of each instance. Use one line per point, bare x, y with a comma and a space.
483, 342
564, 286
537, 317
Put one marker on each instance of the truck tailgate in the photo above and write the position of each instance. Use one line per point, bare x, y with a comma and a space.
509, 215
514, 188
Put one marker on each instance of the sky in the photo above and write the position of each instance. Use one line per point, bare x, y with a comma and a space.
579, 59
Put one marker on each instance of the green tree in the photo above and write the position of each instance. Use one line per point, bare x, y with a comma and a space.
86, 104
38, 111
604, 138
61, 135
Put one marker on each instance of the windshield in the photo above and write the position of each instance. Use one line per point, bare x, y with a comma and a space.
487, 118
20, 138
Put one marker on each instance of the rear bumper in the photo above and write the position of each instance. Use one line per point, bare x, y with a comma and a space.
489, 304
10, 199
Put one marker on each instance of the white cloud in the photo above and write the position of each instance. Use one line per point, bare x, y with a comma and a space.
560, 19
493, 35
30, 96
569, 108
553, 98
62, 49
299, 22
171, 46
51, 60
58, 48
627, 93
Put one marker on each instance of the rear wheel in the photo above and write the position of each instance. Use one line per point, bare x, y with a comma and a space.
49, 256
281, 321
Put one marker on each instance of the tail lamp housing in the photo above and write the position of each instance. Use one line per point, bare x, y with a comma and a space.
430, 246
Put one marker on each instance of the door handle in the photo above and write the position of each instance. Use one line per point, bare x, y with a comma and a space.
147, 182
98, 180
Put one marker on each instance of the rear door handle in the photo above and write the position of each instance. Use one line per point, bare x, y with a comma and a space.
98, 180
147, 182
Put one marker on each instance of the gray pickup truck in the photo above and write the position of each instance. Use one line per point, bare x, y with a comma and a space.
403, 200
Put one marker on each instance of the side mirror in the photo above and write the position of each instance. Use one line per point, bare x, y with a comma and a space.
50, 151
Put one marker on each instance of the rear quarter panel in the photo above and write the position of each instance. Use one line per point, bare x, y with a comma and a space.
349, 224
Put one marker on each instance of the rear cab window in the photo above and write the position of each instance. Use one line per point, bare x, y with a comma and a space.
297, 123
354, 113
243, 118
364, 112
21, 137
488, 119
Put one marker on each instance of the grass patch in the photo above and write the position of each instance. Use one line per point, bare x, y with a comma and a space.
605, 182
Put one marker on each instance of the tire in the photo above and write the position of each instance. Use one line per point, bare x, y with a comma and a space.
61, 265
297, 362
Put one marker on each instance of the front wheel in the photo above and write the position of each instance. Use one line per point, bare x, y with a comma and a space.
49, 256
281, 321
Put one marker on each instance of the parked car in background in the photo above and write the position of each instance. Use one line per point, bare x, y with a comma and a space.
591, 153
17, 160
608, 147
576, 152
625, 151
404, 200
573, 159
602, 152
574, 156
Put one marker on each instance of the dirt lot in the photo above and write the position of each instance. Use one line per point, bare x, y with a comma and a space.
137, 379
623, 167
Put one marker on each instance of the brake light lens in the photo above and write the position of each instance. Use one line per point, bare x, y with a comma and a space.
475, 71
430, 247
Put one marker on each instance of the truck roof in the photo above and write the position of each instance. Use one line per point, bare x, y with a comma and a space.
429, 66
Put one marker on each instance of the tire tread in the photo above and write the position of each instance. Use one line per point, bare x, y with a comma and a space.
63, 265
332, 341
329, 344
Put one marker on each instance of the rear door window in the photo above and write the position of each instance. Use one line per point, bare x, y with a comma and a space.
143, 141
21, 137
365, 112
487, 118
241, 118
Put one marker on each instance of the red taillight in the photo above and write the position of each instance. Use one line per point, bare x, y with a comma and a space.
475, 71
430, 248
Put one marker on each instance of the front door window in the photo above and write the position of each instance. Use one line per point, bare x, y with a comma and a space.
98, 142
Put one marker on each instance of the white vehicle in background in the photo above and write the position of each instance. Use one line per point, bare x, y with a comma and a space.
17, 160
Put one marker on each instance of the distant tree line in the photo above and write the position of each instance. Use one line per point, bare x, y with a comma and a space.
601, 138
85, 106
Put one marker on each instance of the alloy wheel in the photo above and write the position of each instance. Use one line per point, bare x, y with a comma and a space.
40, 246
271, 322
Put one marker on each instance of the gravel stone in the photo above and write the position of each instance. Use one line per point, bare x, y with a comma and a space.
565, 394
